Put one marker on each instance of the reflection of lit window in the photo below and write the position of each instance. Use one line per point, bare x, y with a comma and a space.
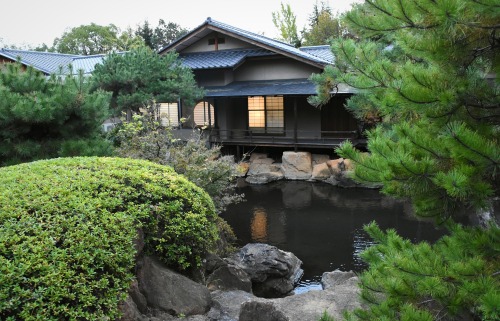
266, 113
203, 114
258, 225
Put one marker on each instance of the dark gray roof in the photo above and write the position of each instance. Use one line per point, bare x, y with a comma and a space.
256, 39
324, 52
47, 62
221, 59
263, 88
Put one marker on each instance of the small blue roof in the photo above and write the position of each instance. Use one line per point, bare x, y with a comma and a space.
221, 59
263, 88
87, 63
324, 52
46, 62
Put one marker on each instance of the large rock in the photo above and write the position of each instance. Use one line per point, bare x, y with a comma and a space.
310, 306
265, 263
264, 178
321, 172
297, 165
227, 304
260, 311
171, 292
341, 294
335, 165
130, 312
337, 279
229, 277
263, 170
262, 165
319, 158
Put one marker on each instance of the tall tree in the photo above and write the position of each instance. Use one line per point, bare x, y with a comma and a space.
324, 26
138, 77
427, 70
147, 33
95, 39
327, 28
44, 117
163, 34
87, 40
286, 22
432, 83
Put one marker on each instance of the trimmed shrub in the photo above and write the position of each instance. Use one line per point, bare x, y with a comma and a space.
67, 230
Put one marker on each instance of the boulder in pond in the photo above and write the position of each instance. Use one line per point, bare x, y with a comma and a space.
297, 165
265, 263
321, 172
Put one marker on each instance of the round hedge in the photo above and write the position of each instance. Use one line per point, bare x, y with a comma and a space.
67, 231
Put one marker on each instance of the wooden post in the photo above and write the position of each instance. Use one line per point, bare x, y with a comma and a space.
295, 119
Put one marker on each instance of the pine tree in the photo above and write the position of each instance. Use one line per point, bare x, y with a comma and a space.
426, 73
141, 76
44, 117
324, 26
427, 69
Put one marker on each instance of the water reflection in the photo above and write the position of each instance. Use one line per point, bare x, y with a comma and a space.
321, 224
258, 225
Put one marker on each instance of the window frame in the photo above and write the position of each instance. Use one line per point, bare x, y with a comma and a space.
267, 130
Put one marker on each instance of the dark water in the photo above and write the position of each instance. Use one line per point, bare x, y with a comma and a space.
321, 224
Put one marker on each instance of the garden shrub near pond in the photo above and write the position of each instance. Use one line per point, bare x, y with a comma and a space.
67, 231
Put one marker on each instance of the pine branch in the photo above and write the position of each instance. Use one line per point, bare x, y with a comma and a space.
412, 272
400, 91
455, 136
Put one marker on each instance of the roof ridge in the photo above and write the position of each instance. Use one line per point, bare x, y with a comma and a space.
313, 47
41, 52
211, 21
224, 50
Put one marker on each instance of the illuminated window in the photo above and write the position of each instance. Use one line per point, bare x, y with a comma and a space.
265, 114
204, 114
169, 114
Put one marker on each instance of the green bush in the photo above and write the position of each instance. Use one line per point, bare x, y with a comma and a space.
67, 230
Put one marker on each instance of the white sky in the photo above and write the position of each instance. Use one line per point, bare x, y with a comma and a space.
33, 22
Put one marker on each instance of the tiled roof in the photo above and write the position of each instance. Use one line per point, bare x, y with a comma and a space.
324, 52
47, 62
263, 88
87, 63
220, 59
259, 40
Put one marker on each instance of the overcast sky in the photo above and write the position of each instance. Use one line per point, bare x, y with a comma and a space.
34, 22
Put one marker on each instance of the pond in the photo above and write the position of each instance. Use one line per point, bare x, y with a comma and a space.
321, 224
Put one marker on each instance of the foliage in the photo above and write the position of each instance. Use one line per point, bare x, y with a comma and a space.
423, 69
140, 76
423, 72
95, 39
324, 26
326, 317
44, 117
145, 138
286, 22
455, 278
163, 34
67, 230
